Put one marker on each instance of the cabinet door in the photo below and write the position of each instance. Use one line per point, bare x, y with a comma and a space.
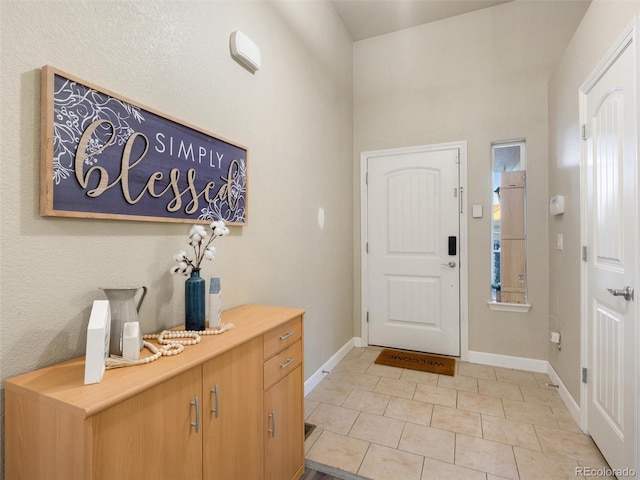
150, 435
284, 432
233, 392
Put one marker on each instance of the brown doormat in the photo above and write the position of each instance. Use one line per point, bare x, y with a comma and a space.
417, 361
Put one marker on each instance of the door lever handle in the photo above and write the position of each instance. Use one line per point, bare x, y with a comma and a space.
450, 264
626, 292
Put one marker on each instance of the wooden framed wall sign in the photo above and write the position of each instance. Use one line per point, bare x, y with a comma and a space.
104, 156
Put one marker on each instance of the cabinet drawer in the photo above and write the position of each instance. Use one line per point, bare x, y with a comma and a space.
282, 337
282, 364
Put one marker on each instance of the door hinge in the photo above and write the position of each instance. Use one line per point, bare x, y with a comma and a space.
584, 253
584, 131
366, 247
367, 317
584, 374
458, 157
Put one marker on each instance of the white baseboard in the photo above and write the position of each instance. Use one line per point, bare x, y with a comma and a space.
313, 381
570, 403
506, 361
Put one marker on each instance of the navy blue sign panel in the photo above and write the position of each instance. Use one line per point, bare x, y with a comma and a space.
106, 157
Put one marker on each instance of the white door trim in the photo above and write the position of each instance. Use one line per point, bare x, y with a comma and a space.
464, 268
628, 36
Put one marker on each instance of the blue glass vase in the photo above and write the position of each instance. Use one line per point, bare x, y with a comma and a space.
194, 302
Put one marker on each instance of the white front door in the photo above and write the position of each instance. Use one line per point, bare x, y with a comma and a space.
611, 182
413, 235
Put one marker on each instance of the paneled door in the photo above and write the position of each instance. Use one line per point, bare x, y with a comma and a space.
413, 262
609, 111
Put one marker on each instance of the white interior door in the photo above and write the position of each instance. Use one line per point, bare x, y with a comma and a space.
609, 110
413, 226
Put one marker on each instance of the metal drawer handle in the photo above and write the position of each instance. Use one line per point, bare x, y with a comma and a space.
287, 363
286, 335
196, 403
272, 430
217, 409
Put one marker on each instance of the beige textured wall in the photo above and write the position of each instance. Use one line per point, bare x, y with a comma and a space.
480, 77
601, 26
294, 115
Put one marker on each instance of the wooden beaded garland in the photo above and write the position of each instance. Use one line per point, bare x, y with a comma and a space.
172, 341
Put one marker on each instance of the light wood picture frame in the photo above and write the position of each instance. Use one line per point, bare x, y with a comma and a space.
105, 156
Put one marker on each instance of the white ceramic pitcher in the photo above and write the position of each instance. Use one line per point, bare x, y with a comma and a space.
123, 309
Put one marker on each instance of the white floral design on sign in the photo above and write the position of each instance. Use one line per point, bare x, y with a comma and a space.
75, 108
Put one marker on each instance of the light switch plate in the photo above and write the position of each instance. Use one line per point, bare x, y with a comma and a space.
477, 211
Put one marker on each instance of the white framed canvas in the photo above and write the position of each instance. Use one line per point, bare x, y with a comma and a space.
97, 342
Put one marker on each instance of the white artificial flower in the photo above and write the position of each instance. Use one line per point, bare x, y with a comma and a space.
197, 230
221, 231
219, 228
201, 245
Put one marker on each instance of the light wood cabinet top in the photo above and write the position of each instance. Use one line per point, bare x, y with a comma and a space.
63, 384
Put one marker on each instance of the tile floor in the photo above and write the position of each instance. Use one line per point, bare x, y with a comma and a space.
487, 423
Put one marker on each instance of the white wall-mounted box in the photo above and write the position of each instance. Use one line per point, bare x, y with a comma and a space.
556, 205
245, 51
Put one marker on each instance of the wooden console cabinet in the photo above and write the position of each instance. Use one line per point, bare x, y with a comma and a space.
228, 408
